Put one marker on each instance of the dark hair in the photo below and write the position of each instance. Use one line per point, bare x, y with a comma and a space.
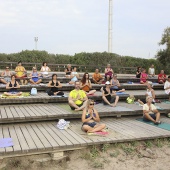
168, 77
53, 76
83, 80
19, 62
44, 63
12, 76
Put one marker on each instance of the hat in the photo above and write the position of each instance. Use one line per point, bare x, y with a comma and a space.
107, 82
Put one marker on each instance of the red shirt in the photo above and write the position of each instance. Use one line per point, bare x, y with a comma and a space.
161, 77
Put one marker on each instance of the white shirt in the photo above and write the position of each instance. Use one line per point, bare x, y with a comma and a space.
167, 84
151, 71
146, 107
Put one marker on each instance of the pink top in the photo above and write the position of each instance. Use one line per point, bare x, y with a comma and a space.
143, 77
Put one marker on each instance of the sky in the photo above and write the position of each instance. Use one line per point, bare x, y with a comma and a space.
74, 26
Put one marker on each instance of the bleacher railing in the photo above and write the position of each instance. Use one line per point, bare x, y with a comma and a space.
62, 67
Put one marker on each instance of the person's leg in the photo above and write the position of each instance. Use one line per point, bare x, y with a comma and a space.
25, 82
71, 82
91, 92
32, 82
140, 102
97, 128
72, 104
147, 116
82, 107
38, 82
157, 117
22, 81
3, 81
122, 90
7, 94
116, 101
86, 128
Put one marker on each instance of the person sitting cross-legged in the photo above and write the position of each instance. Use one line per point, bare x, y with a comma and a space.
54, 84
90, 119
35, 76
109, 96
12, 86
115, 85
77, 98
150, 112
97, 77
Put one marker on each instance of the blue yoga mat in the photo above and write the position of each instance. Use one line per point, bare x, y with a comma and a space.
121, 93
6, 142
163, 125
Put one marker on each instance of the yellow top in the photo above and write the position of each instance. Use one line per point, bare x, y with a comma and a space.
19, 71
74, 94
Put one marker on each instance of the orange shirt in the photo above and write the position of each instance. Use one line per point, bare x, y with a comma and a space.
97, 76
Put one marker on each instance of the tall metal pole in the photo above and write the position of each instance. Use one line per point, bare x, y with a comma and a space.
110, 26
36, 40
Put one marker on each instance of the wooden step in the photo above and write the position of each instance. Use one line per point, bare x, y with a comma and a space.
42, 112
43, 97
45, 137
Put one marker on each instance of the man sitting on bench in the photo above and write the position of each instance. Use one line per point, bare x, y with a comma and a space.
77, 98
150, 112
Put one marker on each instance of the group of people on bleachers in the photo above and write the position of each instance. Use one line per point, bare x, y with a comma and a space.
78, 98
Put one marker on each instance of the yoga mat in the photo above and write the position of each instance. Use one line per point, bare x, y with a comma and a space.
24, 94
163, 125
6, 142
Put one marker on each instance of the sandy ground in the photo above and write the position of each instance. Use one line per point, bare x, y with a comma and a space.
148, 155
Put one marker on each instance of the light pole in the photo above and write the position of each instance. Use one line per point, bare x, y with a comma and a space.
36, 40
110, 27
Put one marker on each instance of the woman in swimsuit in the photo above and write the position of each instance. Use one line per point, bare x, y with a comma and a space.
13, 85
90, 119
68, 70
54, 84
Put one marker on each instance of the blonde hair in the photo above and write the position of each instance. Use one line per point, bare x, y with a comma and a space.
88, 103
147, 98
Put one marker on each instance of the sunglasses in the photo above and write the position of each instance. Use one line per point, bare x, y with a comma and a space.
91, 104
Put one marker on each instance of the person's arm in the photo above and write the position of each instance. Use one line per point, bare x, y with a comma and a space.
49, 69
59, 85
90, 86
41, 69
83, 118
77, 75
7, 86
30, 75
149, 71
106, 71
18, 86
118, 84
49, 84
96, 118
153, 94
2, 74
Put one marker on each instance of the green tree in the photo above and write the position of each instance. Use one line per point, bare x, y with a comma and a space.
163, 55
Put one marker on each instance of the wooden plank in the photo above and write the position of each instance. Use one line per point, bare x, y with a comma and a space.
15, 114
21, 139
50, 138
2, 150
38, 114
58, 133
3, 113
35, 138
17, 147
35, 107
60, 142
41, 136
21, 115
27, 109
6, 134
8, 112
27, 115
28, 138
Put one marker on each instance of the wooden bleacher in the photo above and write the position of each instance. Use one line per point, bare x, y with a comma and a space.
31, 121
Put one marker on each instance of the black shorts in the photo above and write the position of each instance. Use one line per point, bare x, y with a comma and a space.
72, 108
111, 101
91, 124
152, 115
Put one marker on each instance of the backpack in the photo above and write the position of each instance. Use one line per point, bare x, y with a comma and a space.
130, 100
33, 91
